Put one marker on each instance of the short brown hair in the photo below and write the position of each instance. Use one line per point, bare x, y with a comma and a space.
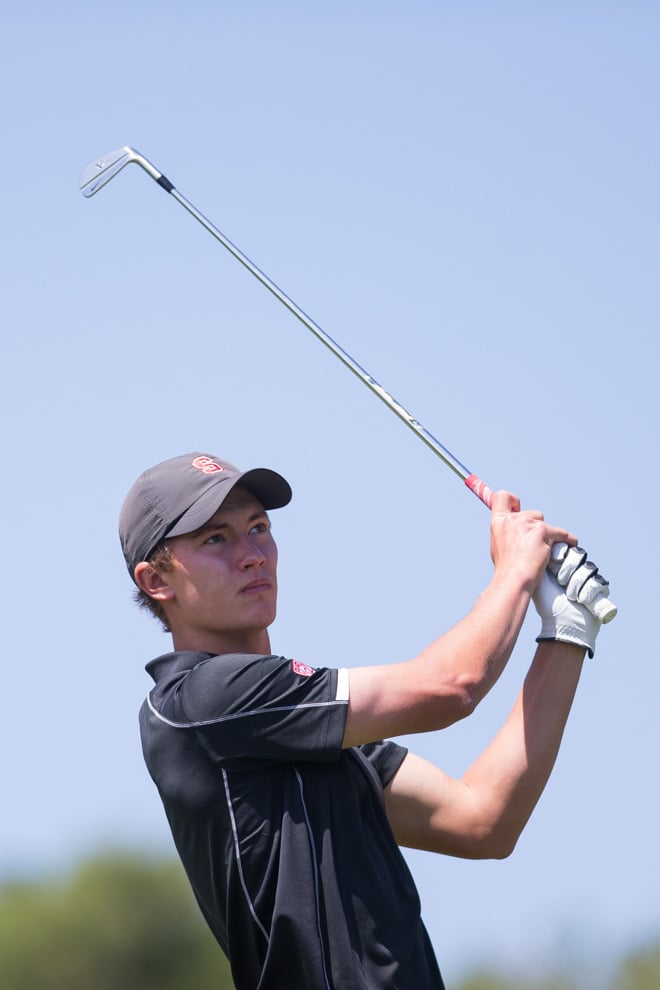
161, 558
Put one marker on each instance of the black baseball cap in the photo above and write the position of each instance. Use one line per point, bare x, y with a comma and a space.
179, 495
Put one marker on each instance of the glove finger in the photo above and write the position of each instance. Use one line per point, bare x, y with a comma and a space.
574, 558
579, 578
594, 588
557, 555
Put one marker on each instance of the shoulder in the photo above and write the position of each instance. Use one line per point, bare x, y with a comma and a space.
201, 687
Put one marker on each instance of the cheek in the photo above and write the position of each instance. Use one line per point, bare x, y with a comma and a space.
195, 588
186, 592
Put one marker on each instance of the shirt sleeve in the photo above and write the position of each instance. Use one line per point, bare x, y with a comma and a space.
385, 757
265, 707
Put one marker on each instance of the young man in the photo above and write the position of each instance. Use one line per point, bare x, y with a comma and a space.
286, 807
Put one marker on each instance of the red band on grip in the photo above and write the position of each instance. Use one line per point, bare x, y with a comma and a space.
480, 489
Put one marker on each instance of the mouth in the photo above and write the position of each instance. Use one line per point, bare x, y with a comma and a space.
260, 584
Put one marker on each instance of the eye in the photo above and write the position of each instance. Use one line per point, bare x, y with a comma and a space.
216, 538
261, 527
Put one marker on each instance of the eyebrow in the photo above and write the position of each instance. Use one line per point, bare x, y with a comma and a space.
214, 526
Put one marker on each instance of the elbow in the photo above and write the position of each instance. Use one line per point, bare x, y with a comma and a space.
499, 845
468, 687
464, 696
447, 692
501, 848
491, 843
443, 705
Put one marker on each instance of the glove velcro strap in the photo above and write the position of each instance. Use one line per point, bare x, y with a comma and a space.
561, 633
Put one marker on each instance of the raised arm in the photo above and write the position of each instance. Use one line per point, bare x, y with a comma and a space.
482, 814
447, 680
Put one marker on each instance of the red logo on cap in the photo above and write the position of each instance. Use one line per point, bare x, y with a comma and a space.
302, 668
207, 465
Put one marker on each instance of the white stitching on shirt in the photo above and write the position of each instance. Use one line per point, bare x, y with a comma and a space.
316, 879
238, 858
227, 718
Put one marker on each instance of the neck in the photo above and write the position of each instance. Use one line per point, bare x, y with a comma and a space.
219, 643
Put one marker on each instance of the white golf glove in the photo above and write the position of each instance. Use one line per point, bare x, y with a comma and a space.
568, 591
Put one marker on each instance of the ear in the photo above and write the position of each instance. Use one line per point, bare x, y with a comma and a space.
152, 582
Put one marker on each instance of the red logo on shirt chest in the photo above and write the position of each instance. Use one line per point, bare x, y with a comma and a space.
302, 668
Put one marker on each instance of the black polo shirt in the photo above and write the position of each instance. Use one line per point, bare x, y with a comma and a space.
283, 834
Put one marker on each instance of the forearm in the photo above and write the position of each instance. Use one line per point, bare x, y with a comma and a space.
447, 679
509, 777
474, 653
470, 657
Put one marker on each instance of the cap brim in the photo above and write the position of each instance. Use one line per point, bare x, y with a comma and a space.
272, 490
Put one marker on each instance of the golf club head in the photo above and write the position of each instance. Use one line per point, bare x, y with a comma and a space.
99, 172
95, 175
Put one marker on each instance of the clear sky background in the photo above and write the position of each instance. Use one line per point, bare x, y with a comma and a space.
465, 195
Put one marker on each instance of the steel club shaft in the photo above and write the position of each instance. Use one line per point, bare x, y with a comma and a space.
103, 169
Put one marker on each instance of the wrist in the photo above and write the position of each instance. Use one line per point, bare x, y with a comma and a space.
562, 620
565, 637
514, 582
555, 651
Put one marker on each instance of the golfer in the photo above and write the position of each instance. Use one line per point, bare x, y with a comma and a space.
286, 806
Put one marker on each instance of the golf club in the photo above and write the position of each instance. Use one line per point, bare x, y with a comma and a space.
99, 172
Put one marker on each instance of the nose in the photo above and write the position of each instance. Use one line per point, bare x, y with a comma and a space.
251, 554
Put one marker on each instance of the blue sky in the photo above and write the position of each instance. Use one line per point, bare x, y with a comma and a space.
465, 195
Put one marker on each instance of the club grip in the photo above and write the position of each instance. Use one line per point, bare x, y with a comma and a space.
601, 607
480, 489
